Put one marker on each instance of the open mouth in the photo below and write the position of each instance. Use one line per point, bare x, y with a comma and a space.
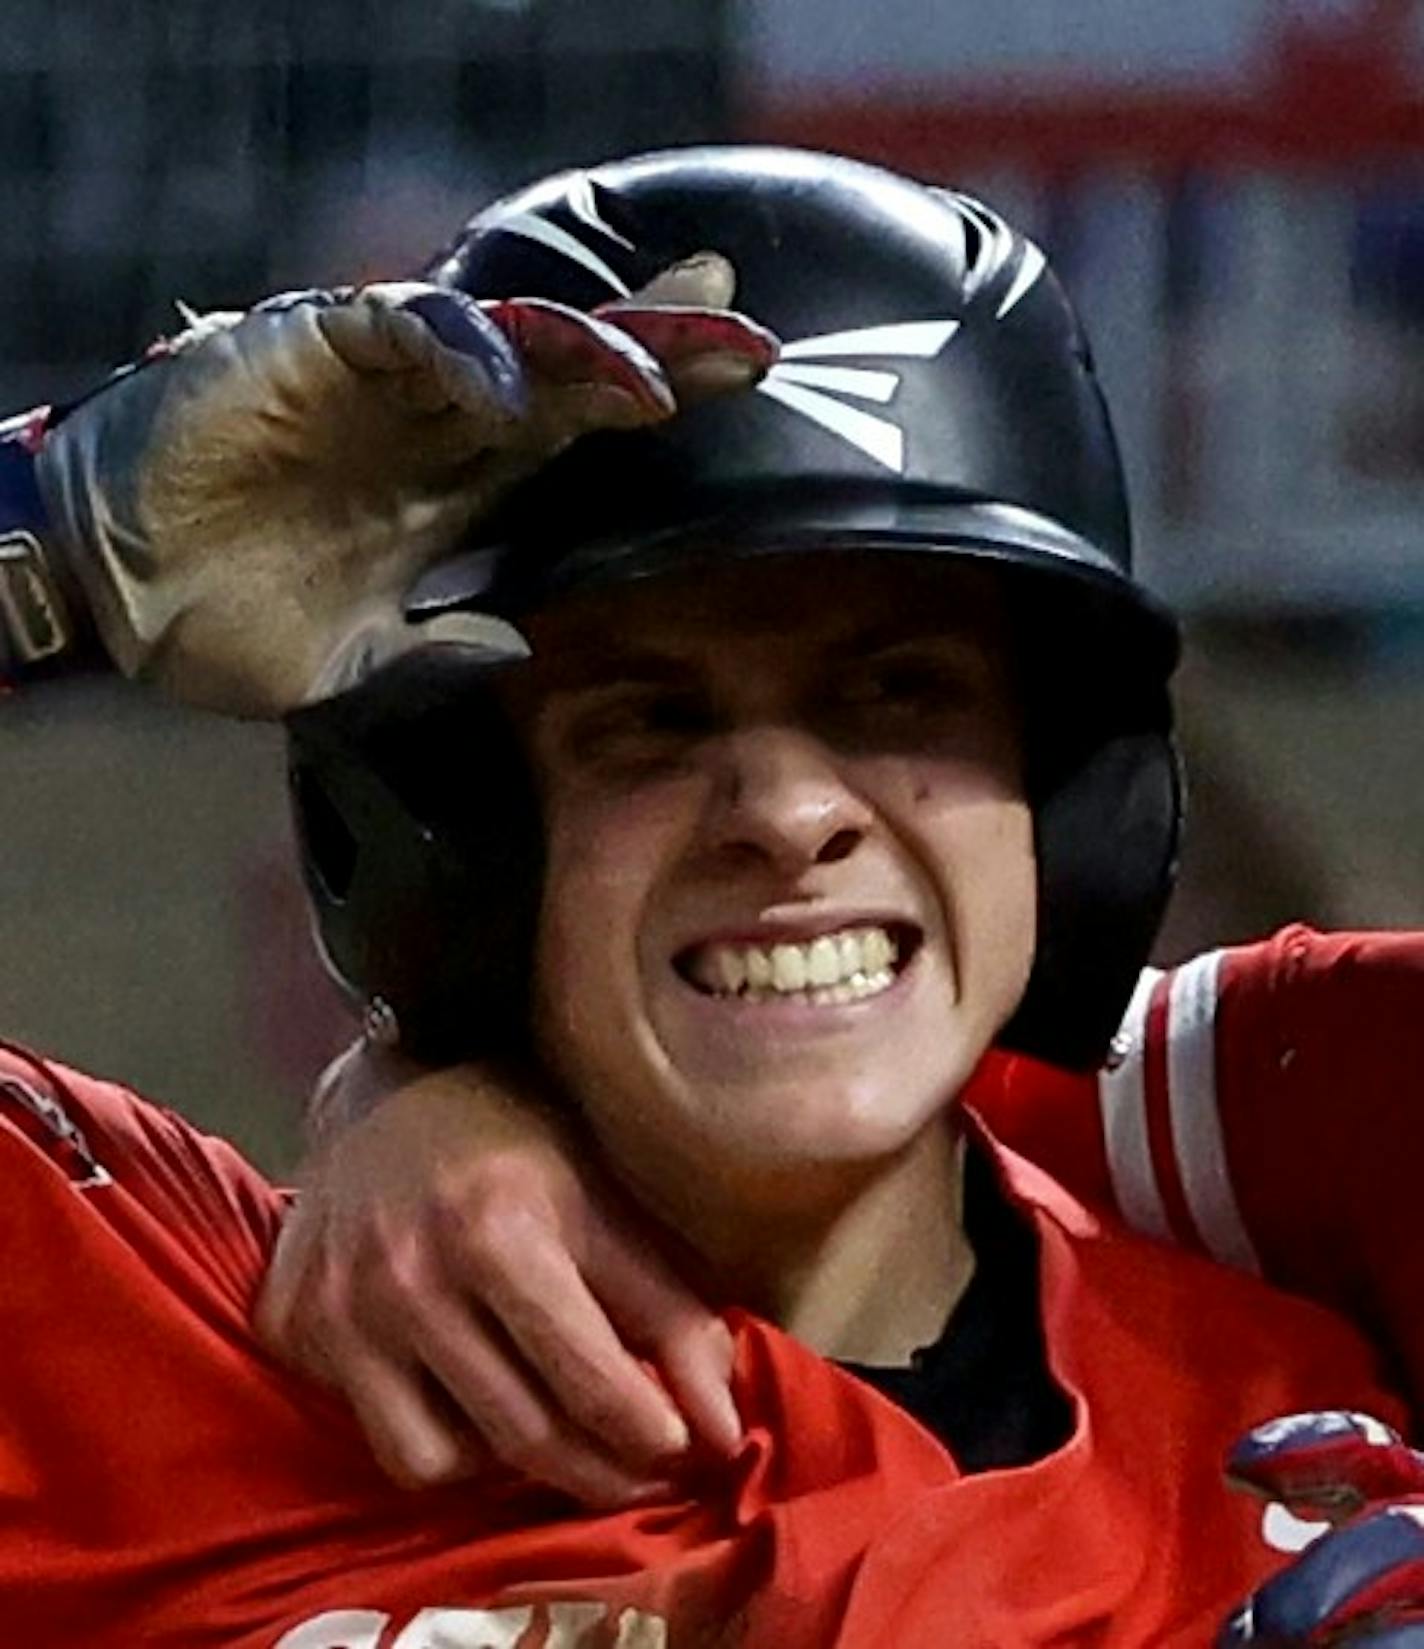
831, 969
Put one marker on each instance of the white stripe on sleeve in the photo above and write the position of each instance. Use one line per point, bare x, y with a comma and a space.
1197, 1139
1122, 1101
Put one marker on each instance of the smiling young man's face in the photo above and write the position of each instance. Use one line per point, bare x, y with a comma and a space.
789, 896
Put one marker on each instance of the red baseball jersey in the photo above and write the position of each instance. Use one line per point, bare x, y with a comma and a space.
163, 1484
1263, 1105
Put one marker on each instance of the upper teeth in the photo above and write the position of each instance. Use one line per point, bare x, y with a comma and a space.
854, 956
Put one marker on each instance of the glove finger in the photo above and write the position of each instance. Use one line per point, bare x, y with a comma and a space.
706, 280
493, 640
439, 348
704, 352
1372, 1570
563, 349
1326, 1464
482, 640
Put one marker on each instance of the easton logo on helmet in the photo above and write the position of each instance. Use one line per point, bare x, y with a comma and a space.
824, 393
584, 206
812, 390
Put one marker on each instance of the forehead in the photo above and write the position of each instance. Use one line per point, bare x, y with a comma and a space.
792, 608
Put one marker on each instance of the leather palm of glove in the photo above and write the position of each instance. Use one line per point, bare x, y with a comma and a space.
244, 512
1361, 1582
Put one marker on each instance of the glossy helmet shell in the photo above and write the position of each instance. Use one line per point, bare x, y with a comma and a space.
936, 398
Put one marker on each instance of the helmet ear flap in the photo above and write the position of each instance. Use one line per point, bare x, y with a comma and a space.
422, 868
1107, 836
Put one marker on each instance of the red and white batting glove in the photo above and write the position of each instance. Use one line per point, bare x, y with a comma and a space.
1362, 1582
240, 517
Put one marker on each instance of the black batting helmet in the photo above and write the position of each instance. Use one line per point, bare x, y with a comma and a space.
934, 397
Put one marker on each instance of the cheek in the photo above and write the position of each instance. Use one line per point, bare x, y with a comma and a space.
1000, 893
975, 833
583, 895
604, 858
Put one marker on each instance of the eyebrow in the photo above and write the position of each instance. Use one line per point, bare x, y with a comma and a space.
901, 632
612, 665
599, 666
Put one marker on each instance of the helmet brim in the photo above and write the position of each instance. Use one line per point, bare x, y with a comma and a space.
1044, 557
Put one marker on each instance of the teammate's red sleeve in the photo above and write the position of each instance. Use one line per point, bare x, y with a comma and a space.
1320, 1064
167, 1188
1048, 1115
1262, 1105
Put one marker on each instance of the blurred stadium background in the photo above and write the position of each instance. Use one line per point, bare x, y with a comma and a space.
1233, 189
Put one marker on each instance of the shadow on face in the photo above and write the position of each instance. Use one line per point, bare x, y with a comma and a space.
789, 895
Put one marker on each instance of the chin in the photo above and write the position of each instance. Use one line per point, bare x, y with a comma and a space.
680, 1088
785, 1124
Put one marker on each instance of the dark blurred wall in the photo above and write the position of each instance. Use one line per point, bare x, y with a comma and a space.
211, 152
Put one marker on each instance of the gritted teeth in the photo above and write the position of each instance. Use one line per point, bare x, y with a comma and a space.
833, 968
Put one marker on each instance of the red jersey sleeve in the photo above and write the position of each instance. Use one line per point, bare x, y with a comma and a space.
179, 1196
1262, 1106
1319, 1050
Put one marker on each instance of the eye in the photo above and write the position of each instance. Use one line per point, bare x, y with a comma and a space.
637, 724
908, 683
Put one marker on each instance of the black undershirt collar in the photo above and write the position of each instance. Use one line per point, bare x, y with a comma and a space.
984, 1387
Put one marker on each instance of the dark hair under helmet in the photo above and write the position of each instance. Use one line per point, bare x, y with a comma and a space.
934, 398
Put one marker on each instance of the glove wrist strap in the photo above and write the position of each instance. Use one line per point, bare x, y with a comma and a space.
39, 627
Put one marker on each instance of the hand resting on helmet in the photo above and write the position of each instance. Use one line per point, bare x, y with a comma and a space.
243, 513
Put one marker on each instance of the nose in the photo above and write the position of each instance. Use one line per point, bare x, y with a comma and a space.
780, 798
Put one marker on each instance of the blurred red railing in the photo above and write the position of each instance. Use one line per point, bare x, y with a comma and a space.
1332, 92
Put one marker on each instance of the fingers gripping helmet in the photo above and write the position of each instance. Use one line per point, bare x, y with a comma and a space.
935, 398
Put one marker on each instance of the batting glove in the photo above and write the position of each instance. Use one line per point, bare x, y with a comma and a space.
1362, 1581
241, 515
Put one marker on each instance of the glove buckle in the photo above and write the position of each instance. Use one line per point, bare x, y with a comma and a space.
33, 620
